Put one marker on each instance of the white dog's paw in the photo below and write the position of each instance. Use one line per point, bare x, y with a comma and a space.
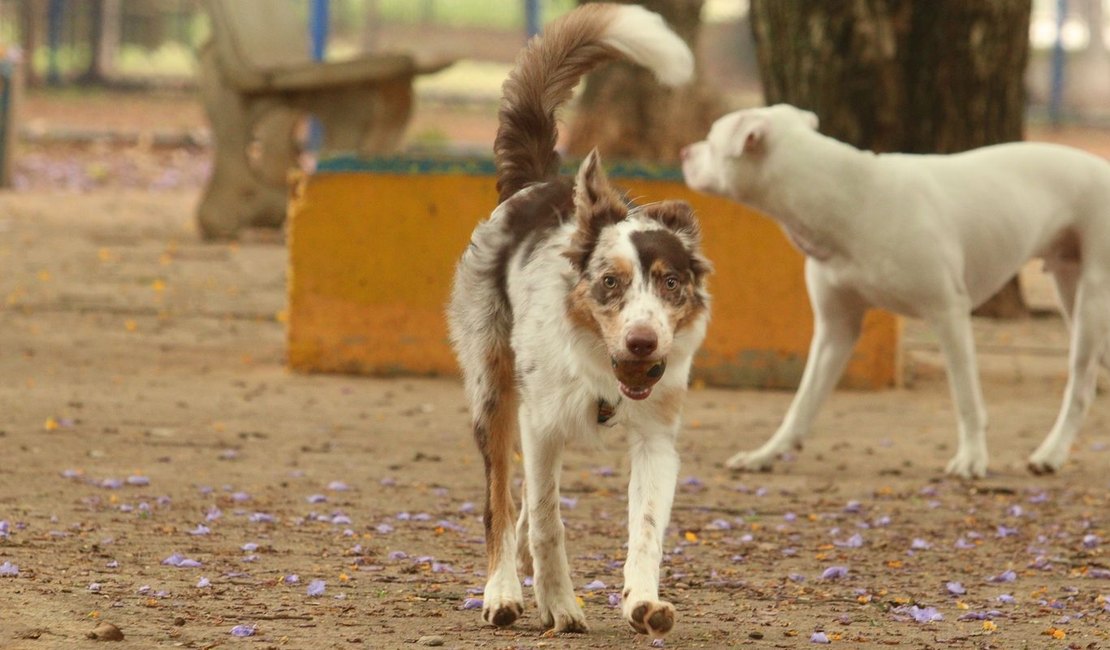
968, 464
752, 461
562, 614
654, 618
1048, 458
502, 601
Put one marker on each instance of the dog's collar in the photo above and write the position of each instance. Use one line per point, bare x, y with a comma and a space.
605, 410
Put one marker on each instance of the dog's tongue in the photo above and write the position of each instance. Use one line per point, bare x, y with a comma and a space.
635, 393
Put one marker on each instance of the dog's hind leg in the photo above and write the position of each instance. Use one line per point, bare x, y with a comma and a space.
542, 447
838, 318
953, 328
523, 551
1090, 335
495, 430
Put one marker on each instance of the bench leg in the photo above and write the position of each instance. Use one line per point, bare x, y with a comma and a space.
236, 196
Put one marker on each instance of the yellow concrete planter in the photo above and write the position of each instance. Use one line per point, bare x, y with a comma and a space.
373, 246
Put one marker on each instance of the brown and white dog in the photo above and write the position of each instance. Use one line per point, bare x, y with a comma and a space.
571, 309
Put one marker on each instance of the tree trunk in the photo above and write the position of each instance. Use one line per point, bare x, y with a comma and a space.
626, 114
902, 75
32, 19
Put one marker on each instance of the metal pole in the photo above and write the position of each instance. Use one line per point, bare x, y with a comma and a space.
1056, 99
532, 17
321, 10
53, 40
318, 27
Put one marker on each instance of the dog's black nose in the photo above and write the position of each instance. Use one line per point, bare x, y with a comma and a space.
641, 341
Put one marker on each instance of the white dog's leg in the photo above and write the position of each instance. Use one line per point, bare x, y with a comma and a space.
838, 317
543, 461
953, 328
1090, 332
650, 495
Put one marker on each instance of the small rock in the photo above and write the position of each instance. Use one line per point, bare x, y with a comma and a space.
179, 621
106, 632
755, 635
430, 640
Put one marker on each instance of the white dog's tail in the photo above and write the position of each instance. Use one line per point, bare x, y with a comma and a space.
549, 68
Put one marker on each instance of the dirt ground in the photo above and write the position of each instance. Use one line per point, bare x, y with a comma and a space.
147, 421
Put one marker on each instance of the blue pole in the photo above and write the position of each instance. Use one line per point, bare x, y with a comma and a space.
1056, 99
318, 26
532, 17
53, 40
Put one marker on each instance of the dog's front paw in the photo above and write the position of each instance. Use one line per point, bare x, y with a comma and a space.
1047, 459
968, 465
654, 618
563, 615
752, 461
503, 600
502, 612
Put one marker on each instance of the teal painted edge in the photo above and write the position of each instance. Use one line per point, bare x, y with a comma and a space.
475, 166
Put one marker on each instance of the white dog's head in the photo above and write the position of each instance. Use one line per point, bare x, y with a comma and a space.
728, 161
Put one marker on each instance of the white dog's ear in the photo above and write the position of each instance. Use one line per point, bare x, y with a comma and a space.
747, 135
811, 119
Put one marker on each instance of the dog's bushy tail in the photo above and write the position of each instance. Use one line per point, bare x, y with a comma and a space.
551, 65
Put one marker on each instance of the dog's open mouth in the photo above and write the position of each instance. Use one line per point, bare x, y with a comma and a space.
637, 378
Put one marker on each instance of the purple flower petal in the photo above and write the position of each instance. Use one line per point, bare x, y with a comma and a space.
94, 588
594, 586
240, 497
1005, 598
111, 483
956, 589
1089, 541
138, 480
605, 471
657, 643
316, 588
341, 520
212, 514
316, 498
834, 573
855, 541
243, 630
614, 599
112, 564
467, 506
398, 555
203, 582
5, 528
338, 486
1005, 576
963, 544
262, 517
383, 529
1005, 531
201, 529
853, 507
291, 579
568, 502
249, 547
924, 615
472, 603
819, 637
919, 544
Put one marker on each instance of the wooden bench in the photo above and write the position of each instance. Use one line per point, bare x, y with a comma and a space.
257, 80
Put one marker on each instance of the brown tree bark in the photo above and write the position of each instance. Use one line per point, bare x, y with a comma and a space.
627, 115
940, 76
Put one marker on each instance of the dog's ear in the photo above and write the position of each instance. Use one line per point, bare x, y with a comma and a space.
811, 119
747, 135
596, 205
678, 217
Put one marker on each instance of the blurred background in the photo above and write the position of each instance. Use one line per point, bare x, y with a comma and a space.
111, 84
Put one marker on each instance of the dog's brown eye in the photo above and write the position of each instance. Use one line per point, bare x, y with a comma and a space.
671, 283
609, 281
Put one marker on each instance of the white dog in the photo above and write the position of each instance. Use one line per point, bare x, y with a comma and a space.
925, 236
567, 300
